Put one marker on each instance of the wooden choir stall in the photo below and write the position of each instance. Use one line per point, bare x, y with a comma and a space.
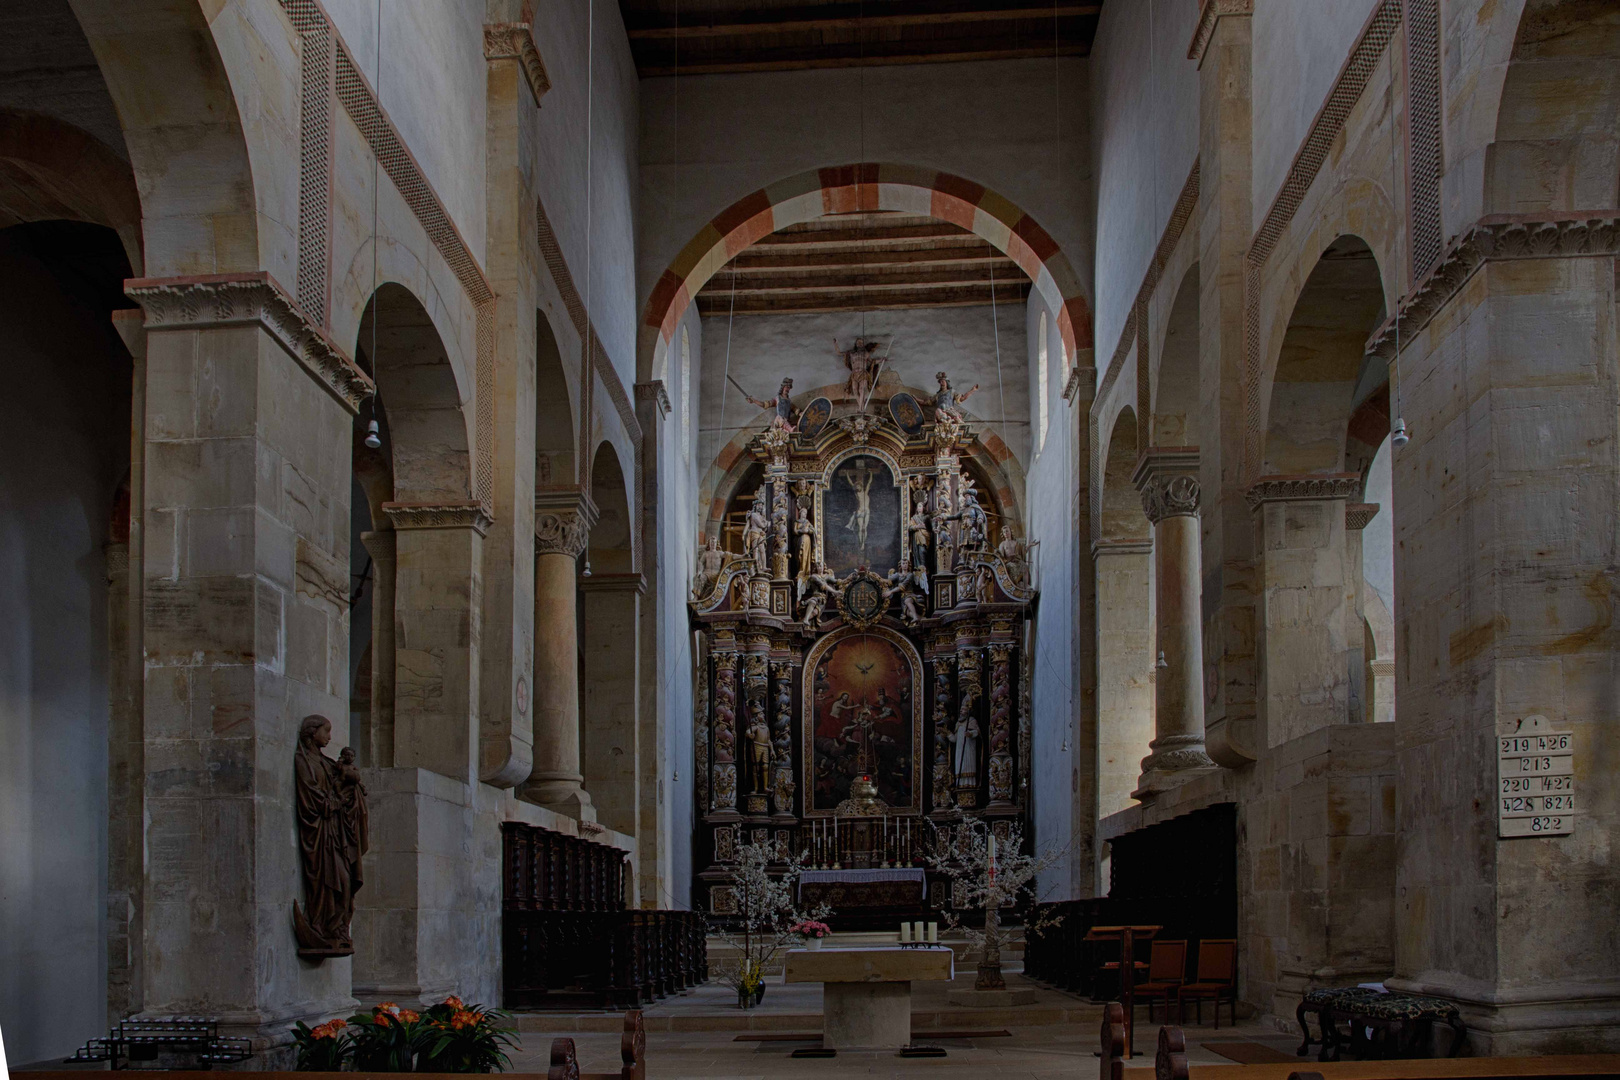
862, 608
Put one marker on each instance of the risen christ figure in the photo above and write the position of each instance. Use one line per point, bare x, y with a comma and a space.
860, 481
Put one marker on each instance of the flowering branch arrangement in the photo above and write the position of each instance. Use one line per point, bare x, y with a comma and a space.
767, 913
996, 873
810, 928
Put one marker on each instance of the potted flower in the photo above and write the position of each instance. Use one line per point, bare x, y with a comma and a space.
464, 1038
812, 932
387, 1039
323, 1048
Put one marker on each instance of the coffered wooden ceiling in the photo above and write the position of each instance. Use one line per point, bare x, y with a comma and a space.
863, 262
708, 36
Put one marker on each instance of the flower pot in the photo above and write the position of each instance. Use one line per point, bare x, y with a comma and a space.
813, 944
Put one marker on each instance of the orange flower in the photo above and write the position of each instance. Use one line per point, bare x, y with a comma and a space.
464, 1019
328, 1030
454, 1002
408, 1017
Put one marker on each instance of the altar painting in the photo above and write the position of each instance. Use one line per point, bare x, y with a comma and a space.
863, 720
861, 520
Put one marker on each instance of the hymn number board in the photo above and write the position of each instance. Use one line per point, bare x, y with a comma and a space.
1535, 781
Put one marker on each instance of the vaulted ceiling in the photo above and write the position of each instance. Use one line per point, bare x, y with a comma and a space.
696, 37
863, 262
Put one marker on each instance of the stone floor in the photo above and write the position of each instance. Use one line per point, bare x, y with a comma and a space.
695, 1035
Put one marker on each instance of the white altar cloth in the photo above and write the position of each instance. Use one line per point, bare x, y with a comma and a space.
863, 877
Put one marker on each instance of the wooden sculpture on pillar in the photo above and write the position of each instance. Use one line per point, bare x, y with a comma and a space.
333, 831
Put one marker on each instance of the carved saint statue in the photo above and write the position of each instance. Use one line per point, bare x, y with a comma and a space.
863, 365
333, 829
759, 756
947, 402
1015, 556
710, 561
920, 541
823, 587
806, 533
860, 481
912, 589
974, 523
782, 403
965, 753
756, 530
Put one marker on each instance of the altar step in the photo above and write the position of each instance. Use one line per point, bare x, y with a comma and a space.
723, 956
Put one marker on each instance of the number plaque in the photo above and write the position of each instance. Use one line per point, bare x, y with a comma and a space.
1535, 786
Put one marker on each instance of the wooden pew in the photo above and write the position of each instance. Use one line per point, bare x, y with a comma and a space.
632, 1052
1111, 1061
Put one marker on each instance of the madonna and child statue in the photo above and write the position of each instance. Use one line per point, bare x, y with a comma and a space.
332, 837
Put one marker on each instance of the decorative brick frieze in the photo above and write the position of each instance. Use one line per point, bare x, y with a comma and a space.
1310, 488
1358, 515
1498, 236
469, 514
253, 299
515, 41
1213, 12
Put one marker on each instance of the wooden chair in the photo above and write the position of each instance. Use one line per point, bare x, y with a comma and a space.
1217, 979
1166, 973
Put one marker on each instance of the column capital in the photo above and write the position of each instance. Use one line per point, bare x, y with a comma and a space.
515, 41
1167, 477
462, 514
1213, 12
1358, 515
655, 393
204, 301
1313, 487
562, 521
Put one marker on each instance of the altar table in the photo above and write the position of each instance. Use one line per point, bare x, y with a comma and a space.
866, 996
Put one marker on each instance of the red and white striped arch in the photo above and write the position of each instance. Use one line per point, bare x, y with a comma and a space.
848, 189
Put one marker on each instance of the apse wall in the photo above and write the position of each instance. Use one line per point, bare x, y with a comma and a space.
1016, 126
65, 450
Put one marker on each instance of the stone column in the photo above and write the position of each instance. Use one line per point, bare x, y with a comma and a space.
1124, 669
376, 747
1168, 481
755, 802
656, 829
248, 421
438, 598
944, 716
1303, 599
612, 755
562, 522
1356, 518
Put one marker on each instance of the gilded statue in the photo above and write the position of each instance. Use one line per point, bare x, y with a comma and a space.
782, 404
710, 562
948, 402
333, 835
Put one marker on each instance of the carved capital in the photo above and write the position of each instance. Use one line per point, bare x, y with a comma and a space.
515, 41
1213, 12
1081, 384
562, 522
1167, 478
1357, 515
654, 393
1314, 488
255, 299
470, 514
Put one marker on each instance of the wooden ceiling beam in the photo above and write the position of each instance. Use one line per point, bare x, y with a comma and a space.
841, 17
939, 51
721, 283
981, 254
808, 303
866, 235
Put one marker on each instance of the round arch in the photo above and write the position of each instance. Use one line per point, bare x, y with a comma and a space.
50, 170
869, 186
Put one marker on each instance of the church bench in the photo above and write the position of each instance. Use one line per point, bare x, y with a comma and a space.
632, 1051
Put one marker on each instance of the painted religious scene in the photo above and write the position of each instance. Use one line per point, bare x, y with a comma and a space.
863, 516
861, 719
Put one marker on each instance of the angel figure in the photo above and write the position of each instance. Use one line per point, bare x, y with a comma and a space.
912, 588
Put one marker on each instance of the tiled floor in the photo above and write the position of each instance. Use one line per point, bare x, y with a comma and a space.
1057, 1036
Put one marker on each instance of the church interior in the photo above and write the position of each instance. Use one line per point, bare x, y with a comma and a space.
1084, 507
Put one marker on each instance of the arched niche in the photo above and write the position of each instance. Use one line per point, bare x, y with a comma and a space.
609, 639
1322, 371
429, 446
555, 440
1175, 383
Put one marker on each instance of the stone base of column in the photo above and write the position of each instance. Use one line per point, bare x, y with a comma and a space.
1175, 759
562, 795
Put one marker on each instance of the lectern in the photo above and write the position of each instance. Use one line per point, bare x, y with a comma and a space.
1127, 936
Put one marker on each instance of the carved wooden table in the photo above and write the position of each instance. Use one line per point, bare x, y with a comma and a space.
866, 996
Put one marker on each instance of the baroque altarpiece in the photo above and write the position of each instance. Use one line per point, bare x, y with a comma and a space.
862, 612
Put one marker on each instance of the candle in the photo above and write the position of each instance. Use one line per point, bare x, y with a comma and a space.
933, 933
905, 933
992, 849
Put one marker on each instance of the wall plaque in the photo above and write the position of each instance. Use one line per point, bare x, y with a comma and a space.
1535, 769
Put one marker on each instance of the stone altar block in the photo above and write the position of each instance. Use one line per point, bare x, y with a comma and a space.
866, 999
